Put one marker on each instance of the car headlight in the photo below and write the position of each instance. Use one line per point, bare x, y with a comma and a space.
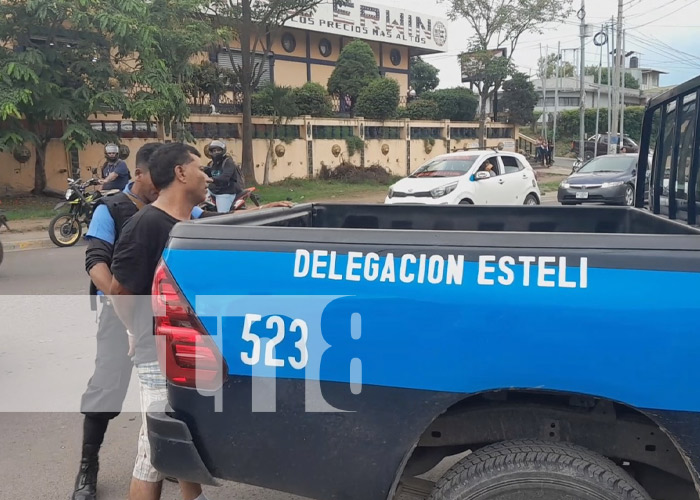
613, 184
391, 193
565, 185
441, 191
69, 193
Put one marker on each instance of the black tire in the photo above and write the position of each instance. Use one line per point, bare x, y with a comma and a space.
588, 156
2, 253
466, 202
531, 199
531, 469
69, 229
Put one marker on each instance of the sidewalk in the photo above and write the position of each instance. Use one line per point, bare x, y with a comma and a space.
26, 235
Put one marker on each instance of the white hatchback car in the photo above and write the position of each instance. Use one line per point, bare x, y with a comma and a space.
470, 178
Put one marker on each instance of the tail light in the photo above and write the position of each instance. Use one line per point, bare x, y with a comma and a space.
190, 357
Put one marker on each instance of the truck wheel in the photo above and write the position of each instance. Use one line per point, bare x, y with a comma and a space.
466, 202
588, 156
530, 469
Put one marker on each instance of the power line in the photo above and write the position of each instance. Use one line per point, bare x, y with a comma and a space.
664, 17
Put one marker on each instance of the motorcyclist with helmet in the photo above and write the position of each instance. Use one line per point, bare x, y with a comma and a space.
115, 173
227, 176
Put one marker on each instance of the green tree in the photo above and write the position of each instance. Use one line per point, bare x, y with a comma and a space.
566, 69
630, 81
423, 76
355, 70
278, 103
252, 23
154, 52
208, 80
312, 99
422, 109
53, 78
499, 24
457, 104
519, 98
380, 99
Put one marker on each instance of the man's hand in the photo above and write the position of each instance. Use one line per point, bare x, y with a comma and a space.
285, 204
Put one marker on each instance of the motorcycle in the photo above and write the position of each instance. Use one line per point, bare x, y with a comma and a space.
209, 205
3, 222
65, 229
578, 163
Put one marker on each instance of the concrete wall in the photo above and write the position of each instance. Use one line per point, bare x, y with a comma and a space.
291, 160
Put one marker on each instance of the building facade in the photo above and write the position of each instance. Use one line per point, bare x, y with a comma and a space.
306, 49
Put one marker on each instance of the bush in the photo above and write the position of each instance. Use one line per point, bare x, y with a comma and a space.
354, 144
422, 109
379, 100
272, 100
457, 104
347, 172
355, 69
313, 99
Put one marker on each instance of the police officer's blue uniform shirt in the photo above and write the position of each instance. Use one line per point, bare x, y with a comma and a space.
102, 223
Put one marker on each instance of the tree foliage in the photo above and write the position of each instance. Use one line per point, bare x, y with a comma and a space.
456, 104
519, 98
422, 109
53, 78
423, 76
630, 81
548, 66
499, 24
312, 99
355, 69
379, 100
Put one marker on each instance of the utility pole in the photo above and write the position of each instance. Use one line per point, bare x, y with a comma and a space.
600, 84
624, 88
608, 31
616, 79
556, 98
582, 105
543, 78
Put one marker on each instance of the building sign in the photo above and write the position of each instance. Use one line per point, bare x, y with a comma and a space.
381, 23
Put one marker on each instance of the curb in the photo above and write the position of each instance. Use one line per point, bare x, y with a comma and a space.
16, 246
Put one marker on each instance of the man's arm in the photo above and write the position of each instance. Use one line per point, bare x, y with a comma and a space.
98, 256
123, 300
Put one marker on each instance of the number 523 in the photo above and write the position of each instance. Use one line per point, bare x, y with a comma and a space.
298, 327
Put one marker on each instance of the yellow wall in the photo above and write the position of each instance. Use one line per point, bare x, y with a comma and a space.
299, 36
321, 74
288, 73
402, 79
292, 164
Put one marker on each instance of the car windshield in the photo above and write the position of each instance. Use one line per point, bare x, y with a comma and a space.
608, 164
446, 167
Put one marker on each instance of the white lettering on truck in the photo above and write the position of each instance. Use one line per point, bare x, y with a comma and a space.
542, 272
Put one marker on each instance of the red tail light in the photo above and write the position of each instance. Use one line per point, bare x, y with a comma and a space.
189, 357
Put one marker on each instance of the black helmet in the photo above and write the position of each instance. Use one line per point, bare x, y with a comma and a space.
111, 152
217, 149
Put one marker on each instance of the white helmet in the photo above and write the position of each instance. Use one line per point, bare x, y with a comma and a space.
111, 152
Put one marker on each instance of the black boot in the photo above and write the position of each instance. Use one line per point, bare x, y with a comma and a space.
86, 481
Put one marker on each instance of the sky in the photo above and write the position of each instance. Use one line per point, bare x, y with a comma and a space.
664, 33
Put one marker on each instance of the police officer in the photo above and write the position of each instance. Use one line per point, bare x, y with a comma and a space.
115, 173
106, 390
227, 176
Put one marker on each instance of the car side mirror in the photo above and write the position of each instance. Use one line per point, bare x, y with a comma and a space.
482, 175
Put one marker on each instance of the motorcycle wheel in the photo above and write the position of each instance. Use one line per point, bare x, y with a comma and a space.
65, 230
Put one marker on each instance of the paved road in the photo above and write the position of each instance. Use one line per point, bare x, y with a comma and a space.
46, 355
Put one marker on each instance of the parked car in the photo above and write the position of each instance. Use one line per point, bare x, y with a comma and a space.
609, 179
469, 178
600, 143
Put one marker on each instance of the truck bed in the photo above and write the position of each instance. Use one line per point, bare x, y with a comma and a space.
536, 219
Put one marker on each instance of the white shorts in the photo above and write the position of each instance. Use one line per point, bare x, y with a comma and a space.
152, 388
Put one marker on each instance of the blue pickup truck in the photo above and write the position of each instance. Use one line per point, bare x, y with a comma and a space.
344, 351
